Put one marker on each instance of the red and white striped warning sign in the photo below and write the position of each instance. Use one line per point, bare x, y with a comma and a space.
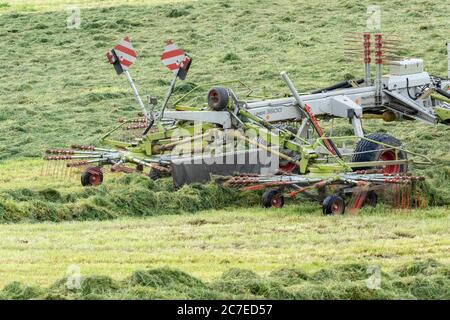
125, 52
172, 56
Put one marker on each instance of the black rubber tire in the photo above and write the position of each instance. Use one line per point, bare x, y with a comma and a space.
371, 199
364, 145
332, 205
155, 174
270, 196
92, 176
218, 98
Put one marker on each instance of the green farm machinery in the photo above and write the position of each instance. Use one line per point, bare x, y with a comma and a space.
277, 144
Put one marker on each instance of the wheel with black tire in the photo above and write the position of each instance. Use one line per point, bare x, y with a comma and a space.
333, 205
92, 176
272, 198
218, 98
366, 150
371, 199
155, 174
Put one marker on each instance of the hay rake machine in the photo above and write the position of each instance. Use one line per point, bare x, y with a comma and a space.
335, 192
195, 140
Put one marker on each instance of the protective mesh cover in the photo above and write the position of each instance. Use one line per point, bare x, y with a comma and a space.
201, 168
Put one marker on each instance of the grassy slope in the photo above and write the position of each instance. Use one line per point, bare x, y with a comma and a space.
59, 88
209, 243
56, 5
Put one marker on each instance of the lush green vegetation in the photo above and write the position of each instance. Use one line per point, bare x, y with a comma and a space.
58, 89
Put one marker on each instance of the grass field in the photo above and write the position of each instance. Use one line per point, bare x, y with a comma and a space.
211, 243
58, 89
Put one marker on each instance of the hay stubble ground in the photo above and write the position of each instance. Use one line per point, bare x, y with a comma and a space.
58, 90
208, 243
